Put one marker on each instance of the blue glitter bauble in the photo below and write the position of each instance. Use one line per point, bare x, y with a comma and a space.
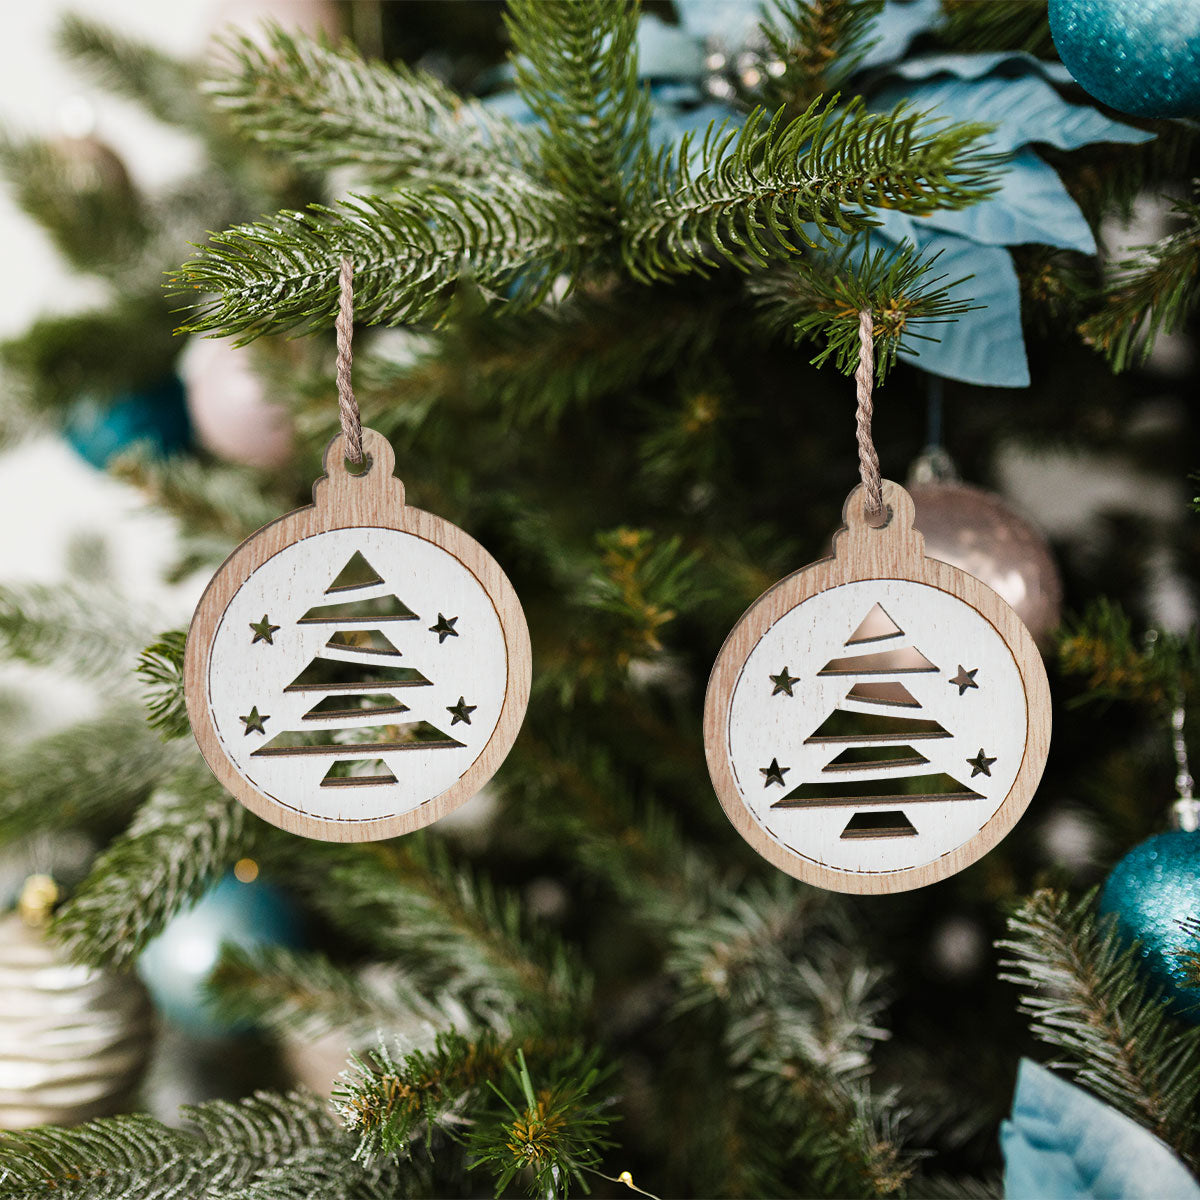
1153, 890
176, 965
1138, 56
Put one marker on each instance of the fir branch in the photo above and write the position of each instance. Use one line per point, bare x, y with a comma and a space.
286, 990
821, 297
576, 67
181, 841
92, 631
981, 26
224, 1151
166, 87
160, 668
409, 250
1152, 293
747, 194
327, 108
549, 1136
1086, 998
91, 775
1153, 670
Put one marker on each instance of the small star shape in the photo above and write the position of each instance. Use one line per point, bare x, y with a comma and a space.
980, 764
783, 682
254, 722
263, 630
964, 679
444, 628
774, 773
462, 711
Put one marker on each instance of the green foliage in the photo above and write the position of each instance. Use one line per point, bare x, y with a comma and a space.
548, 1137
827, 297
327, 108
1152, 293
226, 1151
747, 195
1084, 993
980, 26
161, 671
181, 841
1154, 670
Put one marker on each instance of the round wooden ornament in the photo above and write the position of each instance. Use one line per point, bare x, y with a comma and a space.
358, 668
877, 720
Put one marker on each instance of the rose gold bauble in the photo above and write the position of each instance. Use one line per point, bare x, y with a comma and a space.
228, 407
979, 533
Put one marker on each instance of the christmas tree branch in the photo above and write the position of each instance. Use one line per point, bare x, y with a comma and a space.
166, 87
180, 842
821, 297
160, 669
746, 195
409, 250
90, 775
576, 67
231, 1151
1085, 996
982, 26
327, 108
1153, 293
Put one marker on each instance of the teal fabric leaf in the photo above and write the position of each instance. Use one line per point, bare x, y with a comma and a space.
1023, 111
1032, 205
897, 26
976, 66
985, 346
1063, 1143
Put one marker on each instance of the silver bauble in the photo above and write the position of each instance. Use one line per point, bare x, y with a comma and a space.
74, 1040
979, 533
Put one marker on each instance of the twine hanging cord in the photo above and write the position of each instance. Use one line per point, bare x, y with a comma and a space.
347, 405
868, 459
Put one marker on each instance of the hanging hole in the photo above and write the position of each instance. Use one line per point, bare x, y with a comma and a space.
358, 468
879, 520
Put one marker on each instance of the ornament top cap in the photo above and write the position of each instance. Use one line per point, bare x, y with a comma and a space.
897, 532
374, 485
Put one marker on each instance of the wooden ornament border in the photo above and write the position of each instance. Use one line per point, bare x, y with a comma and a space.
896, 551
372, 499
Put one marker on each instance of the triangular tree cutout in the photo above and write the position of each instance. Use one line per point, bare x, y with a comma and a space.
356, 704
358, 772
852, 793
854, 758
902, 661
855, 728
363, 641
876, 626
885, 693
335, 675
413, 735
879, 825
378, 608
357, 573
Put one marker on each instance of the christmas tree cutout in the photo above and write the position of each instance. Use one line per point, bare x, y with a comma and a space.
875, 761
353, 688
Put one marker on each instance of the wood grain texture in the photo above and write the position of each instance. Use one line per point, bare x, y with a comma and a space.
758, 721
285, 571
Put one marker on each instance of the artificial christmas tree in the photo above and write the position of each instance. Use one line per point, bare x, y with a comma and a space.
602, 372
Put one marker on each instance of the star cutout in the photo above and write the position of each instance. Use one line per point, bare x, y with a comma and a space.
254, 722
263, 630
462, 711
783, 682
980, 764
444, 628
964, 679
774, 773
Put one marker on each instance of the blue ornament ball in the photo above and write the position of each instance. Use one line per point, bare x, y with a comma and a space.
1154, 892
156, 416
176, 965
1138, 56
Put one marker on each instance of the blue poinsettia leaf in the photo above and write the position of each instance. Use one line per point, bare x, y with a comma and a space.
1063, 1143
1022, 111
898, 25
668, 51
728, 22
985, 346
976, 66
1032, 205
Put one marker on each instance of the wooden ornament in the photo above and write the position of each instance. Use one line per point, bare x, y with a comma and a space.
878, 720
358, 668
